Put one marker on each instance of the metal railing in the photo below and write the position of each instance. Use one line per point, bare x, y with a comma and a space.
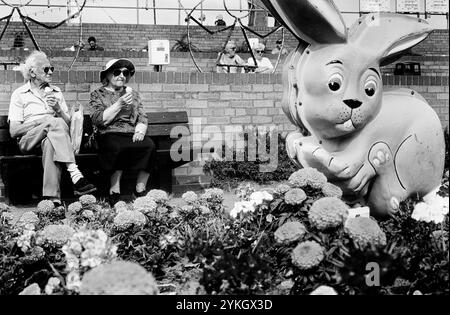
154, 8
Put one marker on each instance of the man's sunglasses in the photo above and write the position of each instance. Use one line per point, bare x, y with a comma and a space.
47, 69
118, 72
260, 51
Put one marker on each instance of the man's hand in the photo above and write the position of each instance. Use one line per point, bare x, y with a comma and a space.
53, 103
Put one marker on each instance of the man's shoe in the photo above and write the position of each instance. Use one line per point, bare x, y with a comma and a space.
113, 199
83, 187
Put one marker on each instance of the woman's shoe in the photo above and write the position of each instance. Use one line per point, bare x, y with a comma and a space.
113, 199
139, 194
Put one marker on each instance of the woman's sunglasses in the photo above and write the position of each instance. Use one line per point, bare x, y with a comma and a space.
47, 69
260, 51
118, 72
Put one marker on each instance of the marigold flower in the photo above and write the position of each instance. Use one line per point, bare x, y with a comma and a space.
281, 189
28, 218
8, 217
88, 214
212, 195
365, 231
307, 176
120, 206
118, 278
87, 200
190, 197
145, 205
290, 232
295, 196
307, 255
56, 235
331, 190
328, 212
126, 219
159, 196
75, 207
45, 206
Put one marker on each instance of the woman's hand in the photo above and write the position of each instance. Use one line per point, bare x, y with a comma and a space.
126, 99
138, 137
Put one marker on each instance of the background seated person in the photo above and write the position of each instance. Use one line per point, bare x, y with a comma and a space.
219, 21
264, 64
93, 44
279, 48
229, 57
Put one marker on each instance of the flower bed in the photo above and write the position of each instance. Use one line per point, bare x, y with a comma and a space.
295, 238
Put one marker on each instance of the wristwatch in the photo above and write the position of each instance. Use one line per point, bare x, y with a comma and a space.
139, 131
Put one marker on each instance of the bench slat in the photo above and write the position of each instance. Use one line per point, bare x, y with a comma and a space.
163, 130
156, 118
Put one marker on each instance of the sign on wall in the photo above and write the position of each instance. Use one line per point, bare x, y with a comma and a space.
411, 6
437, 6
375, 5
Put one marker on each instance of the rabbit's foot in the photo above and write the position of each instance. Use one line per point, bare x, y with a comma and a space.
293, 140
388, 188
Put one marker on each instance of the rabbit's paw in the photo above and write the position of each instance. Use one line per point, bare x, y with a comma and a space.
382, 160
358, 183
293, 141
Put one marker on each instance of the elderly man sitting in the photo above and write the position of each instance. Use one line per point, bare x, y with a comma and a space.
39, 117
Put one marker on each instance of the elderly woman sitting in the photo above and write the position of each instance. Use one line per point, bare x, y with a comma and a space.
117, 112
229, 61
263, 63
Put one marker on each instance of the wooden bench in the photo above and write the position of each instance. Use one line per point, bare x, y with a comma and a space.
19, 171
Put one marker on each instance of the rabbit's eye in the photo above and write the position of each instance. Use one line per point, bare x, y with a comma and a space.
335, 82
370, 88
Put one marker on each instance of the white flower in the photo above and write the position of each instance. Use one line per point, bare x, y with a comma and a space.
190, 197
242, 207
434, 211
259, 197
324, 290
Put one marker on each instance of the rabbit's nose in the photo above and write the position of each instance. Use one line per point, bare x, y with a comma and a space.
353, 103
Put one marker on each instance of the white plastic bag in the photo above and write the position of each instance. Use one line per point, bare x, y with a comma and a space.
76, 127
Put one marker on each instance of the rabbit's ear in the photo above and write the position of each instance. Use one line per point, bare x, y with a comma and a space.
314, 21
387, 35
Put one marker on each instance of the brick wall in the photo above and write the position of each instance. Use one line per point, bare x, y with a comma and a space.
182, 61
116, 37
216, 99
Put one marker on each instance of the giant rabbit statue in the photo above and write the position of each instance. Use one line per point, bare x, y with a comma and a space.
378, 146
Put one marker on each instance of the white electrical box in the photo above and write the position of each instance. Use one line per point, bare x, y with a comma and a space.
158, 52
253, 42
